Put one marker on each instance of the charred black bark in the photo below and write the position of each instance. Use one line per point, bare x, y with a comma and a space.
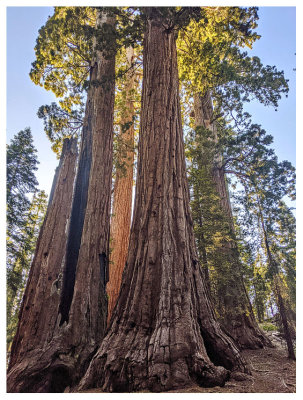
47, 349
103, 269
41, 299
77, 216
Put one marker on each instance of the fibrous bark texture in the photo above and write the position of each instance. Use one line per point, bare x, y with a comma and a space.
163, 331
122, 205
236, 312
39, 309
79, 321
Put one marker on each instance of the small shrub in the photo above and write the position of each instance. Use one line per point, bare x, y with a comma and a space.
268, 327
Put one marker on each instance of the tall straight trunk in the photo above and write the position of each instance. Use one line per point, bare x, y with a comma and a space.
238, 317
277, 290
79, 321
21, 267
38, 313
163, 332
122, 205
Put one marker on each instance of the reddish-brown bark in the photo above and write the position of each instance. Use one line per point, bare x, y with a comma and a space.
39, 310
163, 331
122, 204
79, 321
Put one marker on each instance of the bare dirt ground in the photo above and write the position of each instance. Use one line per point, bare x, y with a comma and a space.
272, 372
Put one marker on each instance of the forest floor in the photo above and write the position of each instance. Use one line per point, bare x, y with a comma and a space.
272, 372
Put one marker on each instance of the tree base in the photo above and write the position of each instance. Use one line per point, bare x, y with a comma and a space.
50, 369
132, 361
247, 334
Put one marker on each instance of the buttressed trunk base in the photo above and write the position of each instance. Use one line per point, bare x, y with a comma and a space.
163, 331
39, 309
77, 324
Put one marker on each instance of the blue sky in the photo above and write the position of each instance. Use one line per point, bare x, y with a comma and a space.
277, 26
23, 96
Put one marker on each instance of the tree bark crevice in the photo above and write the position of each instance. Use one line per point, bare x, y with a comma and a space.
76, 322
122, 204
154, 341
39, 310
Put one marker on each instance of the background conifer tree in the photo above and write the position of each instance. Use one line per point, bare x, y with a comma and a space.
21, 164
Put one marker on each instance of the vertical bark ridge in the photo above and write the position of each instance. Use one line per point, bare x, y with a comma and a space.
62, 359
78, 210
121, 218
39, 310
88, 310
155, 340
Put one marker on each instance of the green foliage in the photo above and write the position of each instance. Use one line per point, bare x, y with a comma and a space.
173, 18
67, 43
212, 226
21, 164
22, 215
248, 157
247, 154
64, 53
210, 58
256, 281
268, 327
286, 249
60, 124
214, 41
262, 210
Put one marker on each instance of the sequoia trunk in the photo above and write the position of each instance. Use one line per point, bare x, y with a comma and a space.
236, 311
79, 322
122, 205
39, 309
163, 332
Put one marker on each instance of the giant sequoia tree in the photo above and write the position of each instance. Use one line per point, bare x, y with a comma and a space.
232, 301
37, 317
163, 332
215, 70
72, 290
19, 267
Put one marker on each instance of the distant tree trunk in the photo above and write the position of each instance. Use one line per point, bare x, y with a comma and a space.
122, 205
238, 317
259, 305
277, 290
77, 326
201, 245
163, 331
